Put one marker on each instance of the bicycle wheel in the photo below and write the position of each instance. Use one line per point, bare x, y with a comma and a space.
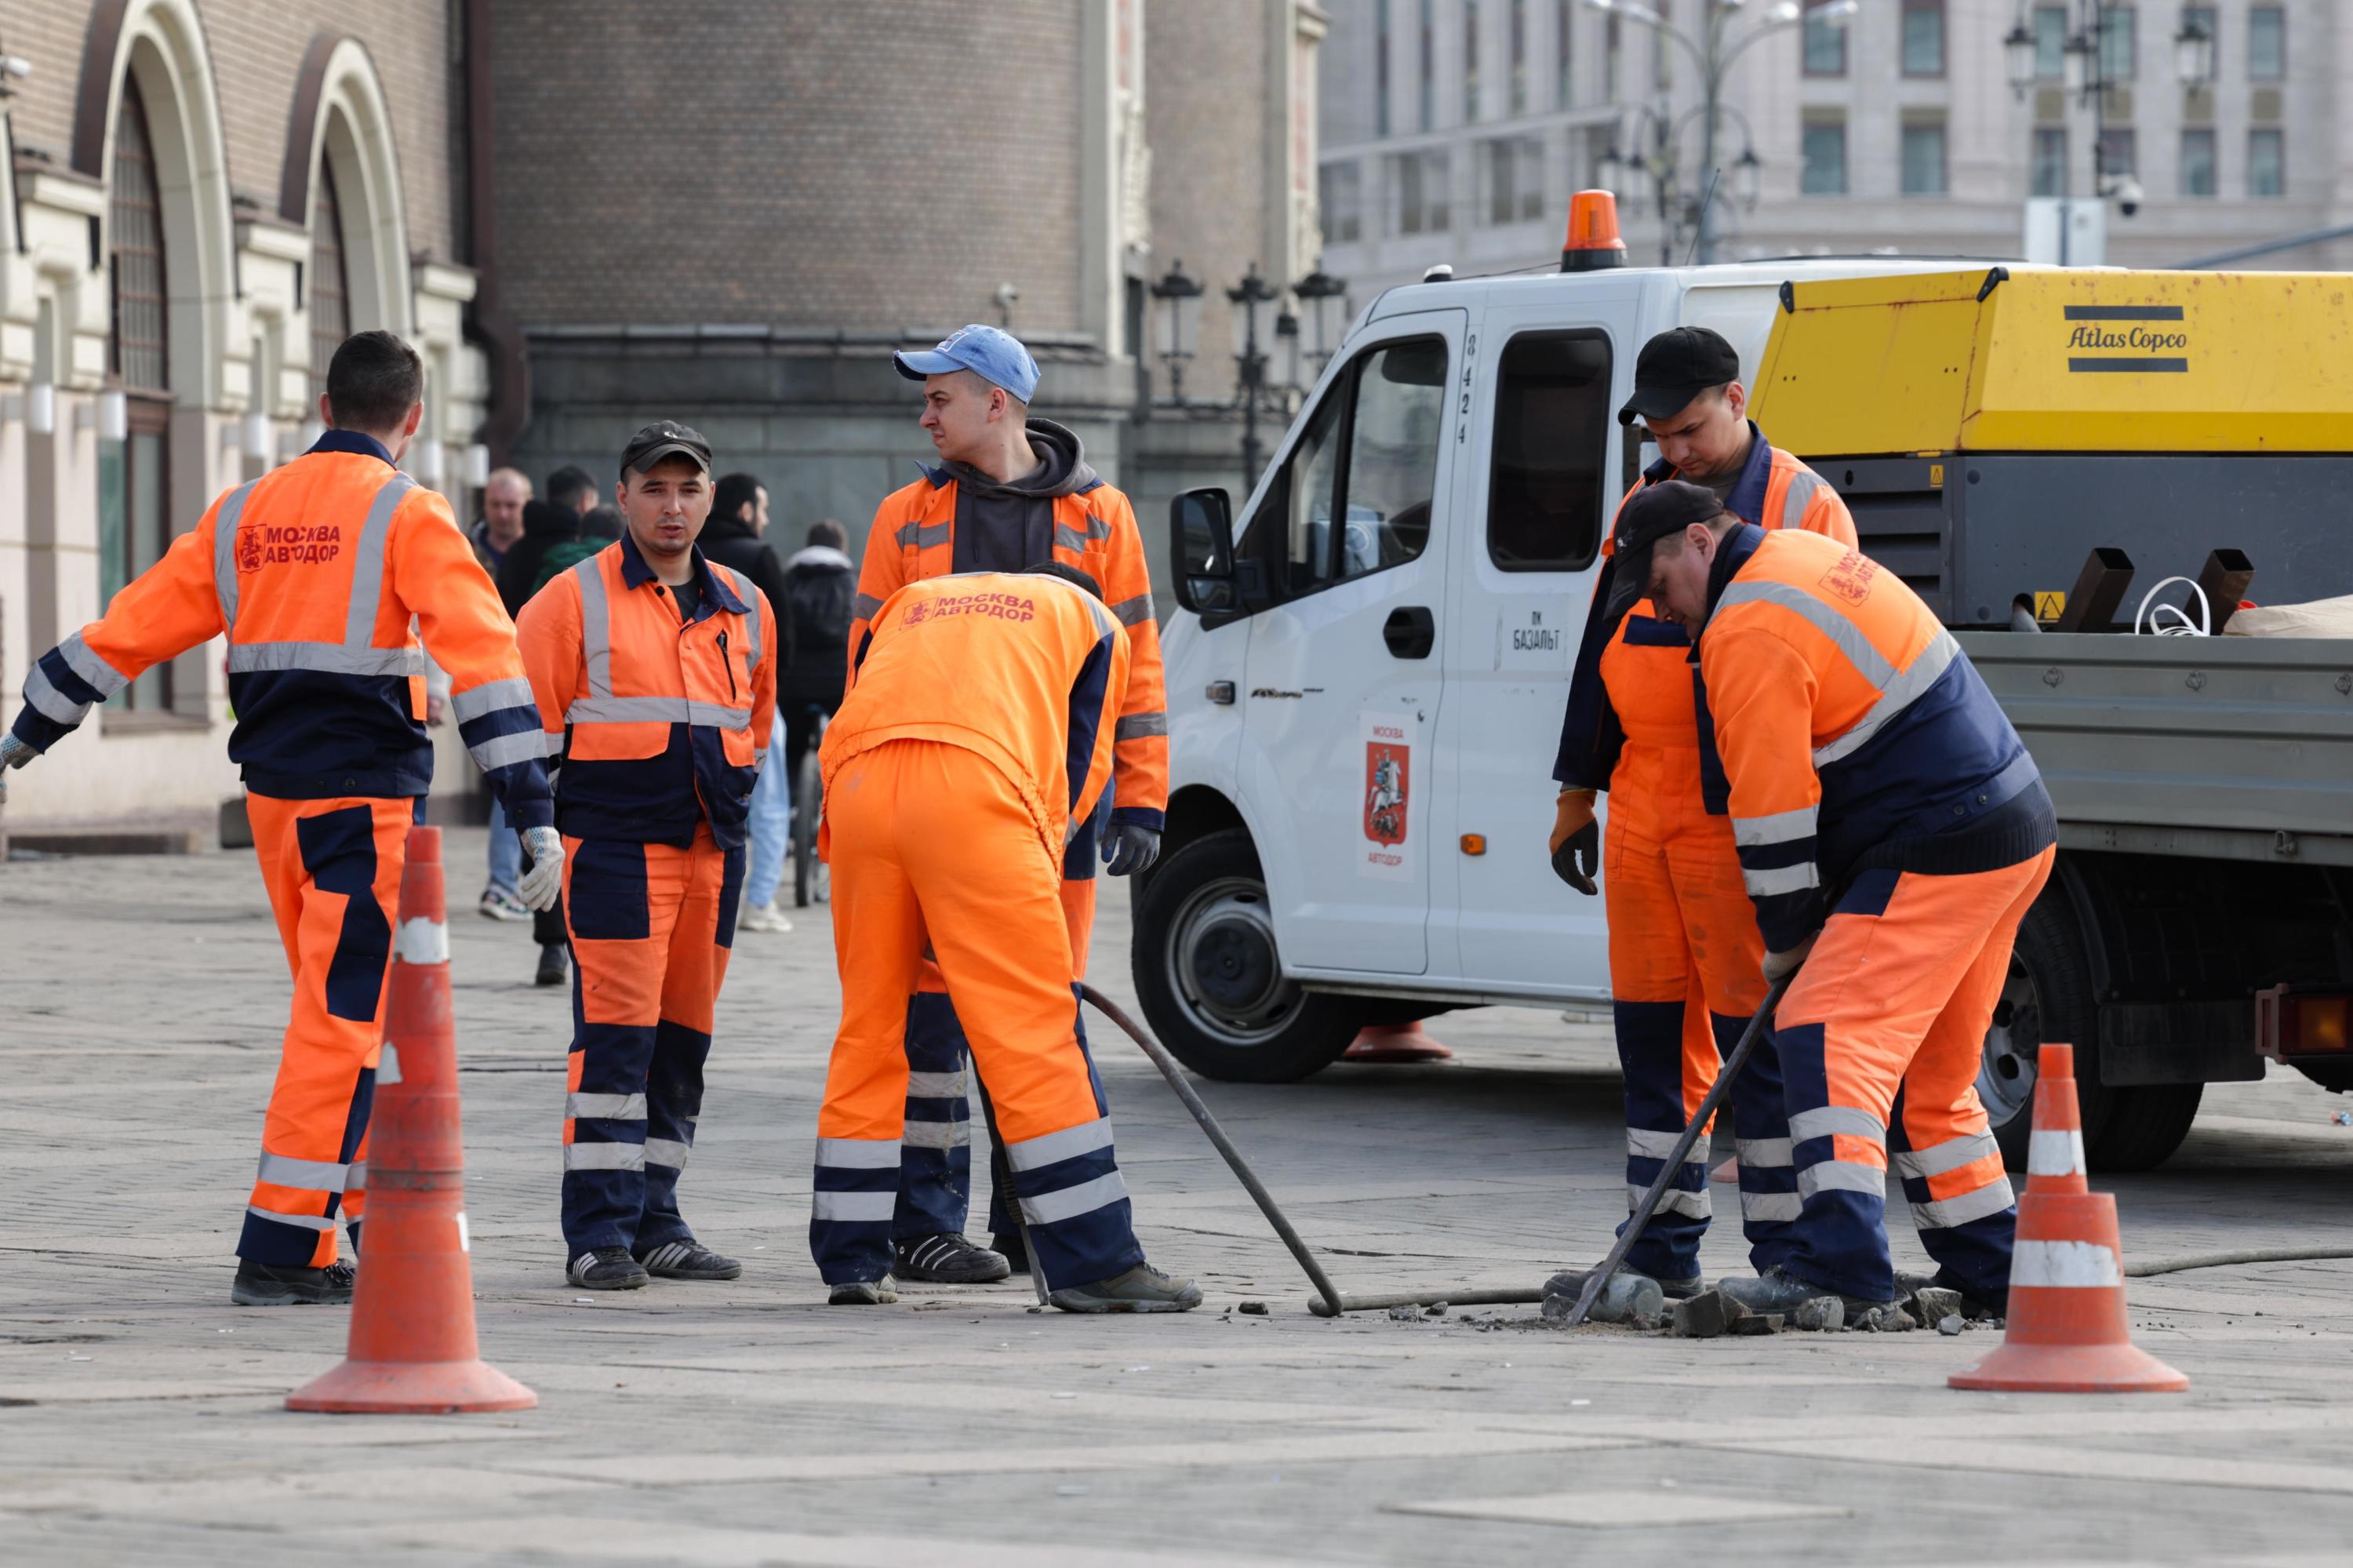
809, 872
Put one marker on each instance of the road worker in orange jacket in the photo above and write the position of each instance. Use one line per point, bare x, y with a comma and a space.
314, 572
976, 737
1010, 491
1683, 953
1892, 832
655, 670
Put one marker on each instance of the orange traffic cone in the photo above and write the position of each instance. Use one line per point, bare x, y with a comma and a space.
1387, 1043
412, 1349
2067, 1332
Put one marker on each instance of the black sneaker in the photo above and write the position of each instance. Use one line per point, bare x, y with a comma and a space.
947, 1259
277, 1284
1013, 1250
1777, 1291
606, 1268
688, 1259
1143, 1288
880, 1292
553, 965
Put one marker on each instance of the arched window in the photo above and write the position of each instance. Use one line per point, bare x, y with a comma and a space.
331, 288
133, 474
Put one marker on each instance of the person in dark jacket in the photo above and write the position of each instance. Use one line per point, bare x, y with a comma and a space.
820, 594
739, 515
571, 494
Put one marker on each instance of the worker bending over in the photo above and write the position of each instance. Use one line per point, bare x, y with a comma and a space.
1683, 950
657, 684
1011, 492
314, 572
1892, 832
978, 734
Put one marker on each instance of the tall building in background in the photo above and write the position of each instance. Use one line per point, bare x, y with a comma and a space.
1454, 131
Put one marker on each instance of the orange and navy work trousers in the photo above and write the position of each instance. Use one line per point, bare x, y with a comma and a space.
1881, 1038
332, 868
652, 927
935, 1154
932, 844
1686, 975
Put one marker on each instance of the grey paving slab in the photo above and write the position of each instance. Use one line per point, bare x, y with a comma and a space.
141, 1416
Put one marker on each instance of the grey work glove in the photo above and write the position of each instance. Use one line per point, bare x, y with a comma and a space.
1127, 849
543, 884
1785, 962
13, 753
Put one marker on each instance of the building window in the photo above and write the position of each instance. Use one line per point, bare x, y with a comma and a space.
2266, 43
135, 520
2196, 162
2119, 42
2050, 161
2119, 151
1519, 57
1825, 152
2050, 42
1552, 446
2266, 164
1825, 43
1343, 198
1924, 38
1513, 167
1428, 68
1563, 85
1923, 157
1381, 41
1420, 184
1471, 61
330, 291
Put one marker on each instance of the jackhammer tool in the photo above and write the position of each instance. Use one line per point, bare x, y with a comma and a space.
1640, 1219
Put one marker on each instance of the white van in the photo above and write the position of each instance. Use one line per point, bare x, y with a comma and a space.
1367, 678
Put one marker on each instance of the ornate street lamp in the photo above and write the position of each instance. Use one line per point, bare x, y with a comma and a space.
2018, 49
1176, 304
2194, 53
1324, 307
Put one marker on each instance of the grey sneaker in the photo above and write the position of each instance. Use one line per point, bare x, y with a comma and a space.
688, 1259
1775, 1291
947, 1259
499, 903
1143, 1288
605, 1268
880, 1292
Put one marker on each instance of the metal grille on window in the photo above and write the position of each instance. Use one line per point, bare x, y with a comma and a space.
140, 355
331, 293
134, 512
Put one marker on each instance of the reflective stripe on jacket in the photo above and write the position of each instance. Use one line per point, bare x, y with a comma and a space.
1029, 671
318, 571
1854, 730
661, 724
1633, 680
913, 539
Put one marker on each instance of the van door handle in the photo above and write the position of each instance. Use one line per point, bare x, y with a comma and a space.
1410, 632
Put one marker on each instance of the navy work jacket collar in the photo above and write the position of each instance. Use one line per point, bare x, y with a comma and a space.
716, 595
357, 442
1747, 500
1731, 553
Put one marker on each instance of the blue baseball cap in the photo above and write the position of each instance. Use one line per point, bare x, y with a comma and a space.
995, 356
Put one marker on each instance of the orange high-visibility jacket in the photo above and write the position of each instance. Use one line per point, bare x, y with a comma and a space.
661, 724
913, 538
1634, 678
1853, 731
315, 571
1029, 671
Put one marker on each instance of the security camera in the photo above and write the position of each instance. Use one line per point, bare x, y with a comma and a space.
2128, 196
1005, 295
16, 66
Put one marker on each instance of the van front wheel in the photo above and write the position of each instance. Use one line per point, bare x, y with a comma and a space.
1211, 981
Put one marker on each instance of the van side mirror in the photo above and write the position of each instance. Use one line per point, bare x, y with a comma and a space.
1201, 533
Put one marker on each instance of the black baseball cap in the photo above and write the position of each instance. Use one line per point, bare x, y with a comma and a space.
1676, 366
663, 439
1649, 514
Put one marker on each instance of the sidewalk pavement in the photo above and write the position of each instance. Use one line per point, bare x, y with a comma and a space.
141, 1419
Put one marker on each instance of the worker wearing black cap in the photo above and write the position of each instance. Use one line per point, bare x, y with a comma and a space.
1684, 952
655, 674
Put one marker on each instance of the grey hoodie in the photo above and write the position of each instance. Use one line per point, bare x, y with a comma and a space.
1006, 527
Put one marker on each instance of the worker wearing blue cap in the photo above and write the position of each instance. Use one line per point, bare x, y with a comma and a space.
1010, 491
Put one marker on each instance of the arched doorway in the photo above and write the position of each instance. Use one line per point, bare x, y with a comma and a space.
330, 280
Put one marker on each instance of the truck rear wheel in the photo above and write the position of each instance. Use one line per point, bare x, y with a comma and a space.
1211, 981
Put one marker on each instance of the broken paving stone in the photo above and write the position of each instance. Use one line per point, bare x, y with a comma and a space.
1932, 1304
1706, 1315
1820, 1315
1435, 1310
1755, 1323
1885, 1320
1405, 1314
1255, 1308
1557, 1308
1950, 1323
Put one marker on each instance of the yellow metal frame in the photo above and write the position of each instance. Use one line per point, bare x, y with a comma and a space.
2057, 360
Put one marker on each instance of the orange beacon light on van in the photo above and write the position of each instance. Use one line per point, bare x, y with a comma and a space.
1593, 240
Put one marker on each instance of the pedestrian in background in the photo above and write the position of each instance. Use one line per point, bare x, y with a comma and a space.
571, 495
504, 494
820, 587
739, 516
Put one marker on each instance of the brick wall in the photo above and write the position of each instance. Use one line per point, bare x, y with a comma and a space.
788, 162
256, 49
